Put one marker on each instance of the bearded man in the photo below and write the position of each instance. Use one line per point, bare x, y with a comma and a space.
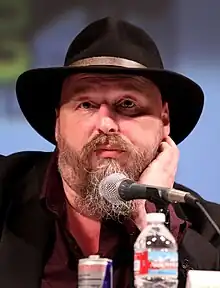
111, 108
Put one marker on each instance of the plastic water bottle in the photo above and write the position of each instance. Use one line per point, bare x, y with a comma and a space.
155, 255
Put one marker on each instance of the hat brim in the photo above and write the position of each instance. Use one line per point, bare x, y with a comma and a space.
38, 93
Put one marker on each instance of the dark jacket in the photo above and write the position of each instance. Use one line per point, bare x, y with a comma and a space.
25, 227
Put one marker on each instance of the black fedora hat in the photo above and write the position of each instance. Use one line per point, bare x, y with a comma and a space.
109, 46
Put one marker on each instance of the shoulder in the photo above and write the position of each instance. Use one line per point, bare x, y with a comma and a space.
22, 156
205, 202
17, 164
213, 208
184, 188
196, 216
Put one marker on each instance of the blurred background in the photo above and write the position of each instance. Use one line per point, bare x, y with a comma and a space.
36, 33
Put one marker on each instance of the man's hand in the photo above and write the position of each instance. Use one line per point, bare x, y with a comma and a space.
161, 172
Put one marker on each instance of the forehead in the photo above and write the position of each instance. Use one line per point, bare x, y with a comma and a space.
79, 83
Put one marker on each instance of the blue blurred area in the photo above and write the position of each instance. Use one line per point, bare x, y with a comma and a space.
188, 38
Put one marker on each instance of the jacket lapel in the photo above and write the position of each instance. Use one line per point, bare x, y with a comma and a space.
197, 248
25, 234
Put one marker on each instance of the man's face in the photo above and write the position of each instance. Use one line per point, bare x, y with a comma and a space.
107, 124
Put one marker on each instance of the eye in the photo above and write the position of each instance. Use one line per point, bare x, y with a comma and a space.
86, 105
129, 108
127, 103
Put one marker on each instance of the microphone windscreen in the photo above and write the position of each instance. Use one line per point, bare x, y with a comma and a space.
108, 187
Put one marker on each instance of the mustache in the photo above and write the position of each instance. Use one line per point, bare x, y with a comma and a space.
102, 139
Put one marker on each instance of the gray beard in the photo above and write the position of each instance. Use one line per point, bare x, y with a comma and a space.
77, 171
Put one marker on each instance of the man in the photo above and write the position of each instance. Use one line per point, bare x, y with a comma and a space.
111, 108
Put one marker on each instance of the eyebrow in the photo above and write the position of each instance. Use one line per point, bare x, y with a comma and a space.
82, 88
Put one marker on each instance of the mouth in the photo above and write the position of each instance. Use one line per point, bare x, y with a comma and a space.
109, 148
109, 151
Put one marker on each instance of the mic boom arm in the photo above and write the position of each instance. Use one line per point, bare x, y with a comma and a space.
153, 194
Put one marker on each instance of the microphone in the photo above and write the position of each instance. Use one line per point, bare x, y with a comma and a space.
117, 187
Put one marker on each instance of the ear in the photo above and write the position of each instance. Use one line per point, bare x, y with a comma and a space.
165, 117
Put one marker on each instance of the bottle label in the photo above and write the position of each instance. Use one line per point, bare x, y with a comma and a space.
156, 262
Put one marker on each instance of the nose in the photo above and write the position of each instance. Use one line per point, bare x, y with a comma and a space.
105, 121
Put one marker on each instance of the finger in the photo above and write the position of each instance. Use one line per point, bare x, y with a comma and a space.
169, 144
168, 156
170, 141
163, 146
162, 169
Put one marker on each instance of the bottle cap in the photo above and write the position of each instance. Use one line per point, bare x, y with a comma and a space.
156, 217
94, 257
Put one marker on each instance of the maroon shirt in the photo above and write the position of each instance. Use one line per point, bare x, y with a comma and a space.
116, 241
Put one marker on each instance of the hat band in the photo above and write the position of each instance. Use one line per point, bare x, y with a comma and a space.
107, 61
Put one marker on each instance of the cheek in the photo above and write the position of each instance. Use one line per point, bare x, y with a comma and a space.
141, 133
75, 131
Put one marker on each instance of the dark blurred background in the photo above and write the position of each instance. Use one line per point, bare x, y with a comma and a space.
36, 33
